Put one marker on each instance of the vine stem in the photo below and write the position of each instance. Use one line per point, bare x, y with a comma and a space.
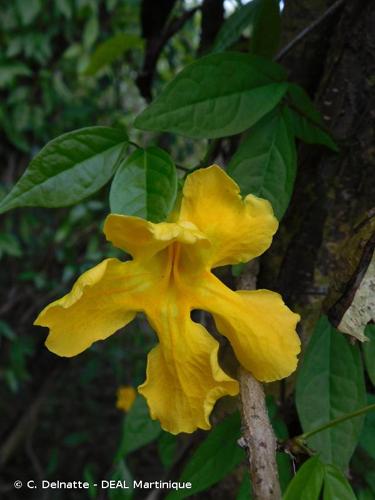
335, 421
258, 436
309, 29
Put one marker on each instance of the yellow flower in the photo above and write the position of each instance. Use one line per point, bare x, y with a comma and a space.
126, 395
169, 276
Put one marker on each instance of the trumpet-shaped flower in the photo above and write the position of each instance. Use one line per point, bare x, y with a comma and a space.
169, 276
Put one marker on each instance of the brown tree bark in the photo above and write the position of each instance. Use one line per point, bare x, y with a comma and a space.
332, 192
258, 436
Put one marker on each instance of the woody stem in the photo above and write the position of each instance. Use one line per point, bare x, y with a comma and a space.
257, 430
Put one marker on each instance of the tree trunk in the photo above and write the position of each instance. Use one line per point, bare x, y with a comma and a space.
333, 192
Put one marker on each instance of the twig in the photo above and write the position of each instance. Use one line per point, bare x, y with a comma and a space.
258, 434
309, 29
184, 169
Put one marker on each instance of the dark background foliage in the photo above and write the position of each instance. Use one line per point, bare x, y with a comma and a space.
67, 64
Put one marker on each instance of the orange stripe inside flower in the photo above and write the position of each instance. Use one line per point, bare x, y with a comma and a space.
169, 276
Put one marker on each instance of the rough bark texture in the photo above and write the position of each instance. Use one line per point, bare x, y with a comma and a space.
333, 192
259, 439
258, 435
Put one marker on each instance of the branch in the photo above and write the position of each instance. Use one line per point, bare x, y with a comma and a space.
289, 46
211, 22
257, 430
154, 47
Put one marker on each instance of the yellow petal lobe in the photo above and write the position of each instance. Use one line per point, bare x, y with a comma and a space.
238, 229
102, 300
184, 379
259, 326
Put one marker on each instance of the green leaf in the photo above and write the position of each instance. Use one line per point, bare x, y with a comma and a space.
263, 18
308, 481
65, 7
330, 384
214, 459
121, 473
245, 490
138, 429
28, 10
145, 185
367, 437
216, 96
369, 352
68, 169
306, 120
284, 467
336, 486
6, 331
9, 245
90, 32
265, 38
233, 26
88, 475
366, 494
10, 71
110, 50
265, 163
167, 447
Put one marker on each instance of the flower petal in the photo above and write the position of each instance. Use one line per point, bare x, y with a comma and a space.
103, 300
259, 326
184, 378
134, 235
143, 239
238, 229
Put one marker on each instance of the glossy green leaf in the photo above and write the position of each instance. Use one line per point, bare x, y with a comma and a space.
330, 384
307, 483
111, 50
369, 352
233, 26
216, 96
265, 38
215, 458
138, 428
336, 486
265, 163
145, 185
68, 169
306, 120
